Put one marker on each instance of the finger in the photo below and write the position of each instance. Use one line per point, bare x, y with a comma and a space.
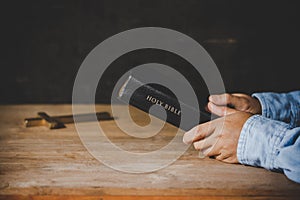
199, 132
227, 157
239, 95
220, 110
219, 153
225, 99
219, 99
207, 144
204, 145
216, 149
222, 156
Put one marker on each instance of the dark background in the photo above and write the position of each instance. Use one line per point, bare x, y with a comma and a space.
255, 44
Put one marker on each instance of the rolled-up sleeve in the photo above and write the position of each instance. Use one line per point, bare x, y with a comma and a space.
271, 144
281, 106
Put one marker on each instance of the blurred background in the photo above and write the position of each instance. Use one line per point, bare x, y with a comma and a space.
255, 44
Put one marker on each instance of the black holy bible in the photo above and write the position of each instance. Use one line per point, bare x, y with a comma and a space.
143, 96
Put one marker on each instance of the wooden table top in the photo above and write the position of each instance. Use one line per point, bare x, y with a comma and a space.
39, 163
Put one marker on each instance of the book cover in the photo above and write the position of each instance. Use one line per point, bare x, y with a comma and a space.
144, 96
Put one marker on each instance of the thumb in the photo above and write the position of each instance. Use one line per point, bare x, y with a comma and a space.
220, 110
225, 100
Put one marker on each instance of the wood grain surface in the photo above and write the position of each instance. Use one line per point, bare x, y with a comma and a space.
39, 163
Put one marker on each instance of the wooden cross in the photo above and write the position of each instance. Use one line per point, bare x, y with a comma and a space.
56, 122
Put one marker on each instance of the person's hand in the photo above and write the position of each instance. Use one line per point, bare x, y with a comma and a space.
225, 104
218, 138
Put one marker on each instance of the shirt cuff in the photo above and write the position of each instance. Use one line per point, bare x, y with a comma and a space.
265, 109
259, 142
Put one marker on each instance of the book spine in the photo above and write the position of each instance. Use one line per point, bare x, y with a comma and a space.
143, 96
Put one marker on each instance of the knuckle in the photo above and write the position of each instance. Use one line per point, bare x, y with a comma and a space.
220, 136
220, 157
200, 131
225, 146
196, 146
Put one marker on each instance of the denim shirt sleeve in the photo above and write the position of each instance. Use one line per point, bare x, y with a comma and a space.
270, 144
281, 106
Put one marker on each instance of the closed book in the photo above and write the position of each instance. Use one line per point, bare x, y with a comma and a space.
144, 96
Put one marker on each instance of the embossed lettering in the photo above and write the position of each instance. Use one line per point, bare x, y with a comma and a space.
165, 106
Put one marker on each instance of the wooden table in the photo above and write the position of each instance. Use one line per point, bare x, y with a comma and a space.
38, 163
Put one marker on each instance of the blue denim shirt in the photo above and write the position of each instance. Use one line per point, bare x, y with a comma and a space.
272, 140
